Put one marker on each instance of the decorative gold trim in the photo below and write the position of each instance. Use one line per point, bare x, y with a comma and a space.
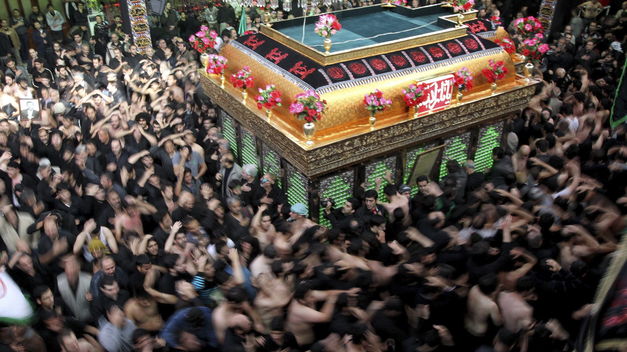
321, 158
371, 50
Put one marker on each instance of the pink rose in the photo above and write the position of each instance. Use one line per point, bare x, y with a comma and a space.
528, 27
296, 108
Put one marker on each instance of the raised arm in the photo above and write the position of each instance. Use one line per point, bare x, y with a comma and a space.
170, 241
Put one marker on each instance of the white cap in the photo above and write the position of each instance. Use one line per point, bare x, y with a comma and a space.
58, 108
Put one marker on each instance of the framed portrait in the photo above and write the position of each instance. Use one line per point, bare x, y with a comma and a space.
29, 108
425, 164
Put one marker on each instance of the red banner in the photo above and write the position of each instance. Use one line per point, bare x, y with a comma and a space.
439, 94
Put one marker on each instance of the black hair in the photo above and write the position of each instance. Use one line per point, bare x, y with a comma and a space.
270, 251
169, 261
488, 283
525, 284
107, 281
542, 145
109, 305
235, 294
195, 318
142, 259
389, 190
39, 291
371, 193
376, 220
301, 290
354, 202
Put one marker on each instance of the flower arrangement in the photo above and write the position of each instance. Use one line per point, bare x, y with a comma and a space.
93, 5
216, 64
203, 39
463, 5
400, 2
463, 79
327, 25
533, 48
507, 44
375, 102
242, 78
415, 94
268, 97
308, 106
496, 20
528, 26
495, 71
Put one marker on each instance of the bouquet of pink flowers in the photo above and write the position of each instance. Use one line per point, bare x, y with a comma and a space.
533, 47
203, 39
216, 64
528, 26
327, 25
495, 71
463, 5
463, 79
242, 78
268, 97
308, 106
415, 94
506, 44
376, 102
400, 2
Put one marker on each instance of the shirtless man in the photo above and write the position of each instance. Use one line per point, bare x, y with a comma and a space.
262, 263
302, 315
143, 311
396, 200
273, 295
481, 307
509, 278
517, 313
299, 220
177, 241
234, 304
262, 228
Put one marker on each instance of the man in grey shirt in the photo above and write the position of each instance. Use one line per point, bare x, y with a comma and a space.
116, 331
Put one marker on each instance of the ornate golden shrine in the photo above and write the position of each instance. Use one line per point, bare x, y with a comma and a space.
344, 137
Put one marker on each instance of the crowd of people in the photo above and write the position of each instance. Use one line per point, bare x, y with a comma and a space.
129, 224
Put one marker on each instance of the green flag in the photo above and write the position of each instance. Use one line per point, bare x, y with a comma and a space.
242, 22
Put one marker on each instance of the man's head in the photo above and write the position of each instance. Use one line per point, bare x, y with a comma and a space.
71, 267
488, 284
303, 295
180, 239
142, 263
266, 221
109, 287
108, 266
235, 297
370, 199
44, 297
350, 206
115, 314
249, 171
298, 211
